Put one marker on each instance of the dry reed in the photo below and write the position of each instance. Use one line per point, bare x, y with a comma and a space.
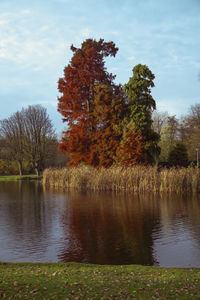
134, 179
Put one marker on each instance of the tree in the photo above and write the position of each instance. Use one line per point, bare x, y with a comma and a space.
178, 155
140, 107
130, 150
40, 136
159, 121
28, 136
103, 122
169, 136
107, 116
76, 104
13, 133
190, 130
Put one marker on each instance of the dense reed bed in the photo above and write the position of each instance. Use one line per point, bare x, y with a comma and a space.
136, 179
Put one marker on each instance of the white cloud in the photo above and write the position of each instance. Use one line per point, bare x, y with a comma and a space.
3, 22
131, 58
85, 33
26, 11
116, 33
27, 42
32, 42
44, 28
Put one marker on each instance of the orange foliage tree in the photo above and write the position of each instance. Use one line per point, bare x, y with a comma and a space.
76, 103
131, 149
108, 114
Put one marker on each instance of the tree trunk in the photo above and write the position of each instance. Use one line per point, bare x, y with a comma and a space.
37, 171
37, 168
20, 167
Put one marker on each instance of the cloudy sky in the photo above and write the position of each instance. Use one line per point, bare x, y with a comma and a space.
35, 37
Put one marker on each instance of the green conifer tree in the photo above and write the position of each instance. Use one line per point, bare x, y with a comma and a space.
140, 107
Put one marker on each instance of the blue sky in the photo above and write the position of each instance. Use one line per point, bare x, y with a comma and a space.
35, 37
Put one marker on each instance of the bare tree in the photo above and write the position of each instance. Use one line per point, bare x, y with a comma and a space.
190, 126
29, 135
40, 136
159, 120
13, 134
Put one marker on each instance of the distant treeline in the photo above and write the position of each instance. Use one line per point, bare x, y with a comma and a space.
179, 138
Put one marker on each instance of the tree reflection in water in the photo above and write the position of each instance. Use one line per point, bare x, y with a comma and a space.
110, 229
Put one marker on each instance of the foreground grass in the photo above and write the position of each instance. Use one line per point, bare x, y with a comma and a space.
18, 177
80, 281
136, 179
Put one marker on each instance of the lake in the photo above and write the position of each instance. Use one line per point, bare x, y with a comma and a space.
38, 225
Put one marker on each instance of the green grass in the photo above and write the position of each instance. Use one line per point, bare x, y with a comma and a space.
18, 177
82, 281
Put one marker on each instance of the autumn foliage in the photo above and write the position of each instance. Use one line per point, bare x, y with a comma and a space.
97, 111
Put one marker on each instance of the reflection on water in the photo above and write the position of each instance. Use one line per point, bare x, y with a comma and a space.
38, 225
109, 229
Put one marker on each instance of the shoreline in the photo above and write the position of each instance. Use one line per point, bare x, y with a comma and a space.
19, 177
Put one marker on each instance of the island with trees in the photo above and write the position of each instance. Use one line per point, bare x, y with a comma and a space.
111, 129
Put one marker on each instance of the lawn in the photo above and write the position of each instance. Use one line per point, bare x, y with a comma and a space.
18, 177
82, 281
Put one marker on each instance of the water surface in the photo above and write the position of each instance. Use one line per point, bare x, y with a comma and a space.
45, 226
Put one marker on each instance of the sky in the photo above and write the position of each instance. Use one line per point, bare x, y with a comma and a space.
35, 40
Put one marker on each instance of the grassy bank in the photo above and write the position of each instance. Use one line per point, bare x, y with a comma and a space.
18, 177
133, 179
80, 281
